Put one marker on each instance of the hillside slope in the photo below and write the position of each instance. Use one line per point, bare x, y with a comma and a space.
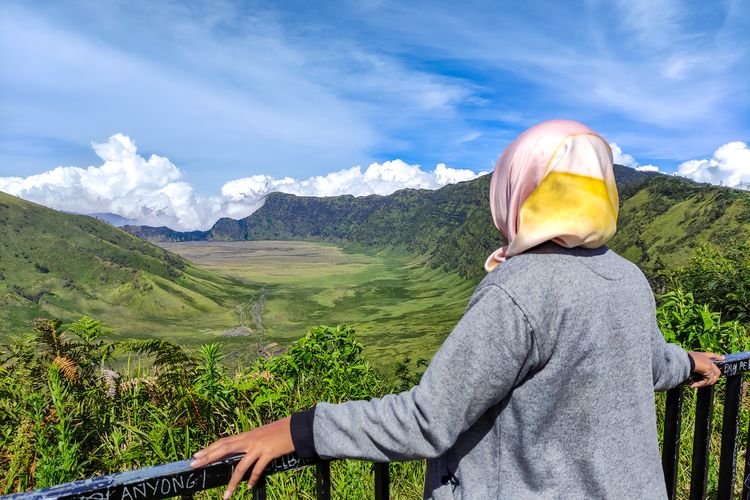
662, 223
64, 265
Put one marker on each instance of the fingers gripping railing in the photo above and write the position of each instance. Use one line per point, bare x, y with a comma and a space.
732, 368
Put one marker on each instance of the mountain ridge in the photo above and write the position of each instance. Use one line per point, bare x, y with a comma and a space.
661, 218
456, 215
66, 265
226, 228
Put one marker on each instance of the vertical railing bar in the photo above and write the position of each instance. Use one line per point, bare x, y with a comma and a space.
671, 446
746, 479
728, 458
704, 407
323, 480
382, 481
259, 491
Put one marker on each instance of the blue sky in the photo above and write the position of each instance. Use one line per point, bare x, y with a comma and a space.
227, 90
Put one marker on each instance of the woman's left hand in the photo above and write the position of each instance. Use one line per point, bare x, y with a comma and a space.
260, 446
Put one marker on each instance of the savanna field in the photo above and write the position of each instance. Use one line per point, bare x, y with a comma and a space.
398, 306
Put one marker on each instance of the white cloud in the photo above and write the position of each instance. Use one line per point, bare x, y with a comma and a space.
625, 159
471, 136
647, 168
149, 190
446, 175
621, 158
729, 166
379, 178
152, 191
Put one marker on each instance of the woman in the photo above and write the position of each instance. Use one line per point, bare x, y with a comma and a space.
545, 387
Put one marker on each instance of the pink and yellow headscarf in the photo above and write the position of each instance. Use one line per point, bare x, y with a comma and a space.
554, 182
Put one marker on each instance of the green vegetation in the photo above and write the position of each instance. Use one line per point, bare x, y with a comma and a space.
424, 251
697, 328
717, 277
66, 414
246, 294
79, 399
662, 224
706, 308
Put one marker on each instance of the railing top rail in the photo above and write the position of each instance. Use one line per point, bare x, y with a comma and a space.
734, 363
161, 481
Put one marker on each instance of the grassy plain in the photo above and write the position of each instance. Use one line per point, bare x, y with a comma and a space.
398, 305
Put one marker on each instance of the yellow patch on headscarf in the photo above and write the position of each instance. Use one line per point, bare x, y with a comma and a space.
571, 204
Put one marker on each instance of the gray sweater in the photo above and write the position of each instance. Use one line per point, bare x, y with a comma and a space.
544, 389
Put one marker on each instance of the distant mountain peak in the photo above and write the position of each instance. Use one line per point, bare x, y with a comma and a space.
114, 219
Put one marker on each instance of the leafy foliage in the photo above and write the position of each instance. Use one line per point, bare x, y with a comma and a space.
408, 374
55, 427
719, 277
695, 327
65, 413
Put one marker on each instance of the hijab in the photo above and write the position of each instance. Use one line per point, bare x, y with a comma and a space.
555, 182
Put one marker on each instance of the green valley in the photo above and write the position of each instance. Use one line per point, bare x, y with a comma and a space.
245, 294
398, 305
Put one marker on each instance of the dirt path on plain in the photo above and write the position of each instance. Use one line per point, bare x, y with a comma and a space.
250, 313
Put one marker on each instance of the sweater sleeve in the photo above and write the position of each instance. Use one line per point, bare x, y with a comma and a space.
490, 351
671, 363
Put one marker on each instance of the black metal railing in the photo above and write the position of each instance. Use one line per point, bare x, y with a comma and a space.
178, 479
733, 369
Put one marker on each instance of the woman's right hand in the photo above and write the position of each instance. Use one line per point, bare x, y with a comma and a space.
260, 446
705, 367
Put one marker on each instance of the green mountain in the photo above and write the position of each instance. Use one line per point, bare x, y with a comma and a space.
55, 264
661, 222
661, 219
451, 225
